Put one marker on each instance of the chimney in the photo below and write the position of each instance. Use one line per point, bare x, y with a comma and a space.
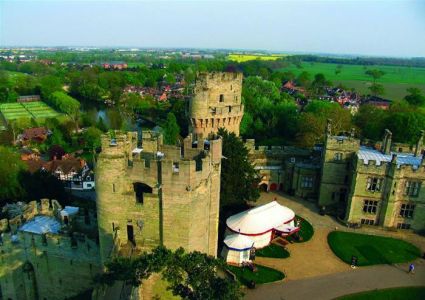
419, 144
386, 145
394, 158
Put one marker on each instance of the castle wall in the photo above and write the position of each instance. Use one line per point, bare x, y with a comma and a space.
52, 268
217, 102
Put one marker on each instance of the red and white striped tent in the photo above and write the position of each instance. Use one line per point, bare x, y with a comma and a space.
262, 223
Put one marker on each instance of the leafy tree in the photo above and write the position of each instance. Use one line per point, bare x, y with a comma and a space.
92, 139
376, 89
50, 84
66, 104
10, 168
313, 121
100, 124
189, 275
319, 84
371, 121
303, 79
239, 179
171, 130
415, 97
375, 74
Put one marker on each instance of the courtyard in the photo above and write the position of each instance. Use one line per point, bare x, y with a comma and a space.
313, 263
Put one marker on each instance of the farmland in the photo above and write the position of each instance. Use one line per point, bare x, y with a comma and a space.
247, 57
35, 110
395, 81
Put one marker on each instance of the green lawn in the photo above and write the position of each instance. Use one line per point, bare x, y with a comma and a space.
403, 293
263, 274
306, 232
36, 110
370, 249
395, 81
272, 250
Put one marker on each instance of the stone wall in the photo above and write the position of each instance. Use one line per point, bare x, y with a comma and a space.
52, 267
180, 204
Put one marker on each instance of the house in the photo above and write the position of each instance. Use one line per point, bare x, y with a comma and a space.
36, 134
73, 171
115, 65
377, 102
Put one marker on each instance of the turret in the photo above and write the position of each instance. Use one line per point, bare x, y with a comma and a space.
419, 144
386, 145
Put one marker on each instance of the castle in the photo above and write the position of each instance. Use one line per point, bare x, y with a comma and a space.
378, 185
151, 194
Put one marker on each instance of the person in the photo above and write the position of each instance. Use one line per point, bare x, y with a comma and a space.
411, 269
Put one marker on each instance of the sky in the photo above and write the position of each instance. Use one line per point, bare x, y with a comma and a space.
380, 28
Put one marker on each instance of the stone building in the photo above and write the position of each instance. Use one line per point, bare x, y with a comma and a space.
157, 194
47, 252
217, 102
374, 185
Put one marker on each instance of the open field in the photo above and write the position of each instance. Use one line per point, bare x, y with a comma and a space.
247, 57
371, 249
395, 81
36, 110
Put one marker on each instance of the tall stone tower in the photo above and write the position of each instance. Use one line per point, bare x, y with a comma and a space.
157, 194
216, 103
336, 169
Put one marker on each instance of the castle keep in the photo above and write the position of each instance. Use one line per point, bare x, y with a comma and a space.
157, 194
217, 102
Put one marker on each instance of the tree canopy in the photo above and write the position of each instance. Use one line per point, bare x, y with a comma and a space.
190, 275
10, 168
239, 179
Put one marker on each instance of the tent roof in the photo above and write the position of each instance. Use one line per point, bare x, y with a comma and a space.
261, 219
238, 242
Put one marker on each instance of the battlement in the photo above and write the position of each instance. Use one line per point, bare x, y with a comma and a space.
206, 77
342, 143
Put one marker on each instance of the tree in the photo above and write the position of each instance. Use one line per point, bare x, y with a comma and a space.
171, 130
10, 168
239, 179
415, 97
312, 122
376, 89
92, 139
375, 74
189, 275
66, 104
319, 84
372, 121
303, 79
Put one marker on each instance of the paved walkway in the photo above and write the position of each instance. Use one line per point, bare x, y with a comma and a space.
314, 272
339, 284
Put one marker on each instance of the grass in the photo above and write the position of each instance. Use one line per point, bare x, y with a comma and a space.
395, 81
402, 293
263, 274
306, 232
36, 110
370, 249
272, 250
247, 57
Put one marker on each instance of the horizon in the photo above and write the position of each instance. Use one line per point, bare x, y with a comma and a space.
304, 27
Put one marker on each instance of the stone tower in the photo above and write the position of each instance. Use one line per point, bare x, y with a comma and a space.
216, 103
157, 194
336, 168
